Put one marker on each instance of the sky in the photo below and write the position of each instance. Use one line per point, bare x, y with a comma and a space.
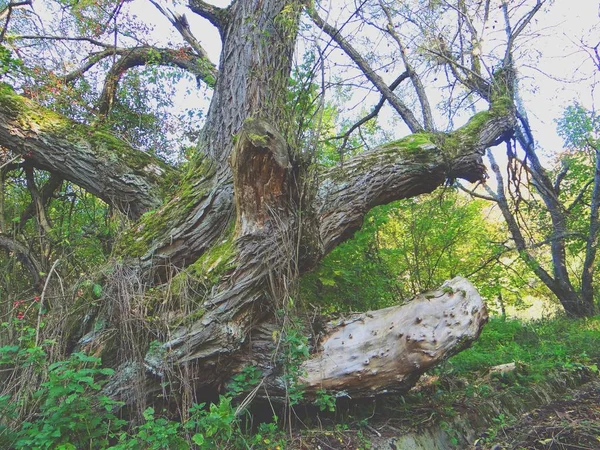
555, 71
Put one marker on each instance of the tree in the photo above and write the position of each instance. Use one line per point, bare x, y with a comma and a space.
555, 208
251, 212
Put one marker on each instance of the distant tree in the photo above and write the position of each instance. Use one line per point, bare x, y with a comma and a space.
555, 209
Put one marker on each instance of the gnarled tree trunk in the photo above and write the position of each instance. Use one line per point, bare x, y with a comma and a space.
249, 221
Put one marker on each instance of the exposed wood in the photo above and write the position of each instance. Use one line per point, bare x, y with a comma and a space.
387, 350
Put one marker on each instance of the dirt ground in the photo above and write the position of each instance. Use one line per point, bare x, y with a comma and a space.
571, 423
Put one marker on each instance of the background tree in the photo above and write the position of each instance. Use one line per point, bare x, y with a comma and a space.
555, 209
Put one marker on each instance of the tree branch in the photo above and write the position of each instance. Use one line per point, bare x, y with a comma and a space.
579, 197
471, 192
23, 254
414, 76
215, 15
140, 56
411, 166
130, 180
405, 113
38, 203
515, 231
53, 184
523, 22
183, 27
372, 114
63, 38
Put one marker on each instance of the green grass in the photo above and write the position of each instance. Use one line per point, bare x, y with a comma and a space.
537, 346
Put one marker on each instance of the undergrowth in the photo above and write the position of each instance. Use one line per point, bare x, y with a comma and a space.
66, 409
537, 347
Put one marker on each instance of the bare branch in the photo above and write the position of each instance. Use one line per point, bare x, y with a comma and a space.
215, 15
7, 12
63, 38
515, 230
523, 22
183, 27
372, 114
471, 192
414, 76
405, 113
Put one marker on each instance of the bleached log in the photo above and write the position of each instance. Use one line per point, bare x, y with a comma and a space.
387, 350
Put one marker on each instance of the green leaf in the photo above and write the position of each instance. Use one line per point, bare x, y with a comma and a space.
198, 439
97, 291
327, 281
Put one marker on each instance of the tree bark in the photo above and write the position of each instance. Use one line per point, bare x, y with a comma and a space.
130, 180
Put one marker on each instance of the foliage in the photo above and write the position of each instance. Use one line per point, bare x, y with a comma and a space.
153, 434
412, 246
325, 401
70, 410
294, 351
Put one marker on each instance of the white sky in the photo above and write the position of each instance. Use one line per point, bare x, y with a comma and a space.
556, 71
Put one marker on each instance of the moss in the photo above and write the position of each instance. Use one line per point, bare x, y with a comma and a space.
218, 259
466, 137
258, 140
419, 148
194, 188
86, 138
193, 317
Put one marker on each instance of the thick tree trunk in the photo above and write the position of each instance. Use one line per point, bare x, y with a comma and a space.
265, 252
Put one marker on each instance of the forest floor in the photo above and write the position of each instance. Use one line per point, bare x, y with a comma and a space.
553, 363
571, 423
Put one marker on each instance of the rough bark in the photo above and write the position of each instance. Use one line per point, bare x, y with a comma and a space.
130, 180
259, 260
252, 81
415, 165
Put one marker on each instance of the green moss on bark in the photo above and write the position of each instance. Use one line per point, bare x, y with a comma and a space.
217, 260
97, 140
194, 188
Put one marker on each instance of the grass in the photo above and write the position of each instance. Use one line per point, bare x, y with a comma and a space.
538, 346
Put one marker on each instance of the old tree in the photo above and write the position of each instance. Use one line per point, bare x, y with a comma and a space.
202, 276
